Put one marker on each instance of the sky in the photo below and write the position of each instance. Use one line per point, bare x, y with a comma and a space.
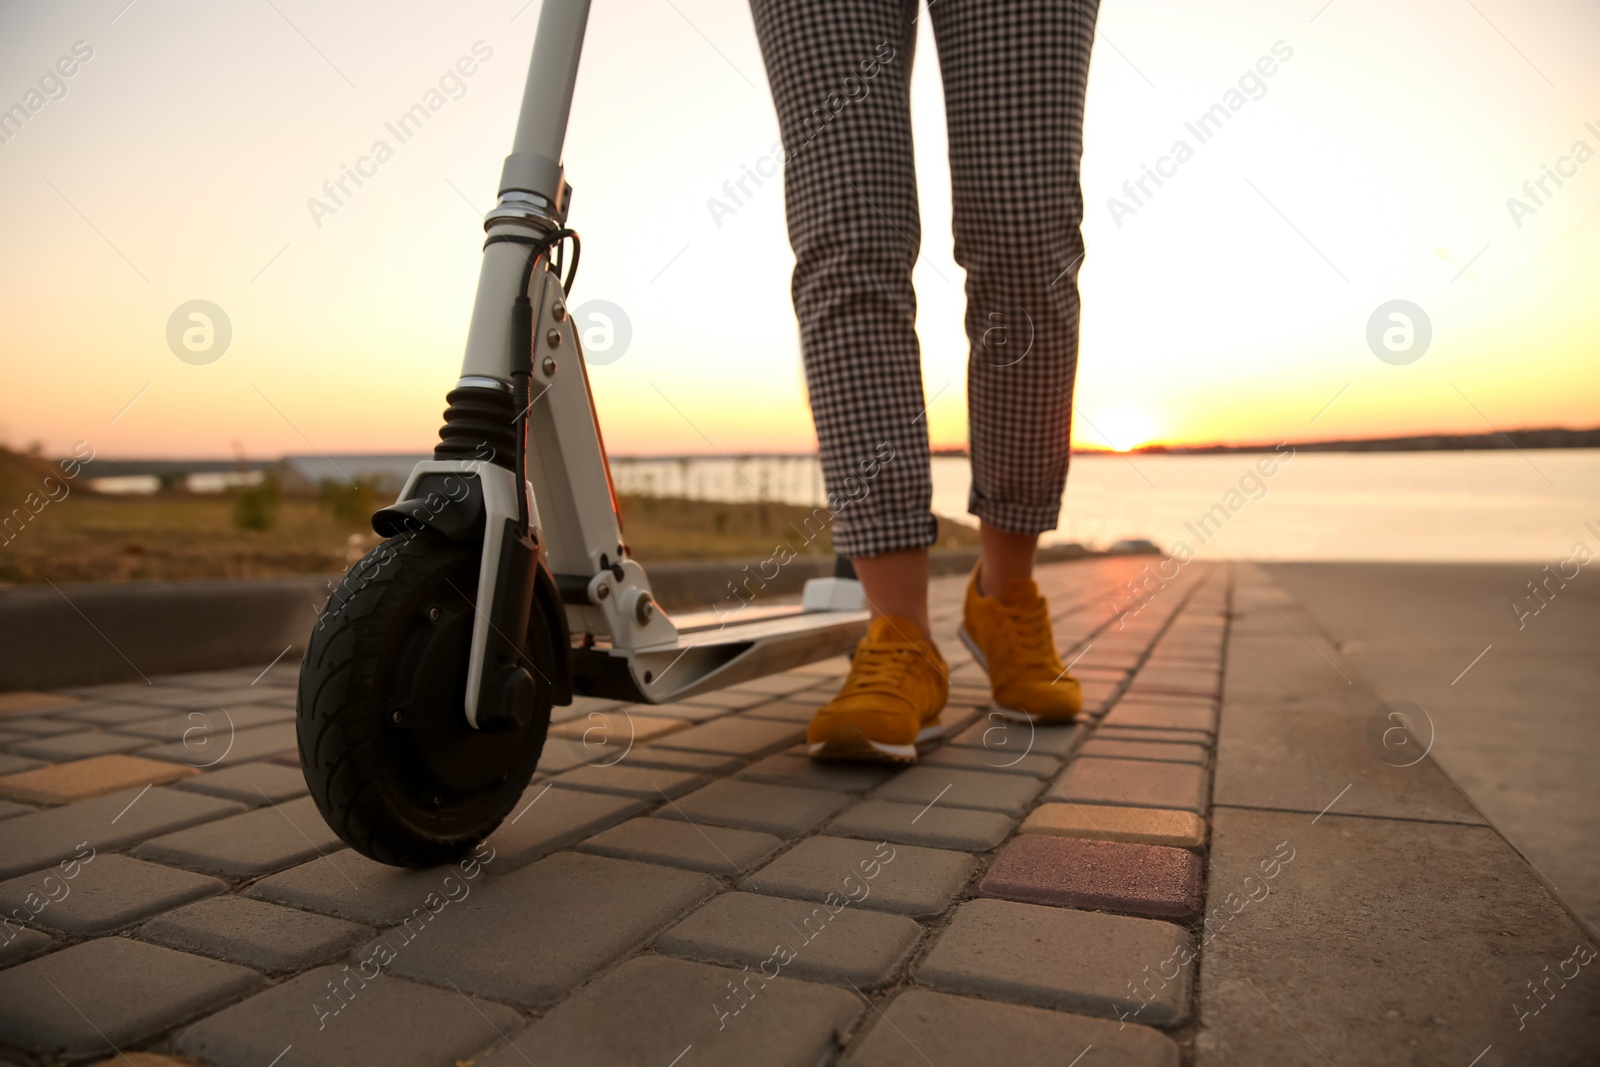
180, 160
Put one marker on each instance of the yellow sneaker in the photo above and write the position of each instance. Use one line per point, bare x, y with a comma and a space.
891, 701
1010, 637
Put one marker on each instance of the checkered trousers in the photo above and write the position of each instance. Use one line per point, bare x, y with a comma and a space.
1014, 74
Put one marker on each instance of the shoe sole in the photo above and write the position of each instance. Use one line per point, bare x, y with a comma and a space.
1010, 714
850, 744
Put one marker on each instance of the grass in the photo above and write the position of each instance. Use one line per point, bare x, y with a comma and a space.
85, 536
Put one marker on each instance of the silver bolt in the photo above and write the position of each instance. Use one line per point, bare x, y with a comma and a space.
548, 366
558, 311
433, 614
603, 592
643, 610
553, 338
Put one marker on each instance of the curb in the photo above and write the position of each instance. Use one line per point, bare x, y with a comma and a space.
85, 633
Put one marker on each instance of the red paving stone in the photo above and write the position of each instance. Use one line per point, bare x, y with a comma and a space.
1153, 881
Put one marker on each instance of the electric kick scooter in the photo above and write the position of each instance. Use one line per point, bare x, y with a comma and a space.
504, 586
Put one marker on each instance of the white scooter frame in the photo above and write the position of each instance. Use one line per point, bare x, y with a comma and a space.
626, 646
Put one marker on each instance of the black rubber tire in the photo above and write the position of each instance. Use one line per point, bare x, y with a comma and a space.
384, 742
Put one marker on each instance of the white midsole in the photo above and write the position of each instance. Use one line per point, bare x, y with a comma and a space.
931, 732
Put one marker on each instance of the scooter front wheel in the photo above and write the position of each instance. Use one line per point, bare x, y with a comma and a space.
388, 754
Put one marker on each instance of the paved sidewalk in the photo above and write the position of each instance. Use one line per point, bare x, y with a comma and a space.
1232, 861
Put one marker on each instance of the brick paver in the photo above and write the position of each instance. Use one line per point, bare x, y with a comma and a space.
333, 1017
259, 935
1150, 826
879, 876
775, 809
1050, 957
531, 936
1014, 899
832, 941
63, 783
102, 894
1137, 783
1156, 881
961, 1030
723, 1017
921, 824
249, 845
96, 996
715, 850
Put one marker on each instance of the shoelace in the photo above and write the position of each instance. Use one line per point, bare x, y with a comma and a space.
1026, 630
881, 668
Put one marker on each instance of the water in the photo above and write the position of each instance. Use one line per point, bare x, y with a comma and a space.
1414, 506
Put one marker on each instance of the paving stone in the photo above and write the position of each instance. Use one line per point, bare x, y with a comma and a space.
797, 710
783, 1022
795, 768
963, 1030
18, 943
31, 842
679, 710
1009, 793
1136, 783
599, 735
1199, 680
560, 757
1149, 826
9, 736
383, 1021
140, 1059
249, 783
1031, 764
104, 893
780, 684
86, 778
918, 824
41, 725
1143, 714
798, 939
206, 698
142, 693
531, 936
231, 679
347, 885
737, 736
206, 731
110, 992
1005, 739
9, 808
1106, 732
713, 849
259, 935
244, 746
734, 699
1103, 654
13, 764
77, 745
676, 760
648, 783
548, 819
249, 845
784, 810
1164, 751
1080, 961
1421, 931
22, 701
1097, 695
903, 879
1155, 881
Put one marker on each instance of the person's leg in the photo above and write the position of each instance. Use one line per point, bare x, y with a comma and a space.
840, 77
1004, 556
1014, 74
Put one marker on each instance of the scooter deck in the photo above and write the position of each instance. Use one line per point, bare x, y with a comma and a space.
713, 652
